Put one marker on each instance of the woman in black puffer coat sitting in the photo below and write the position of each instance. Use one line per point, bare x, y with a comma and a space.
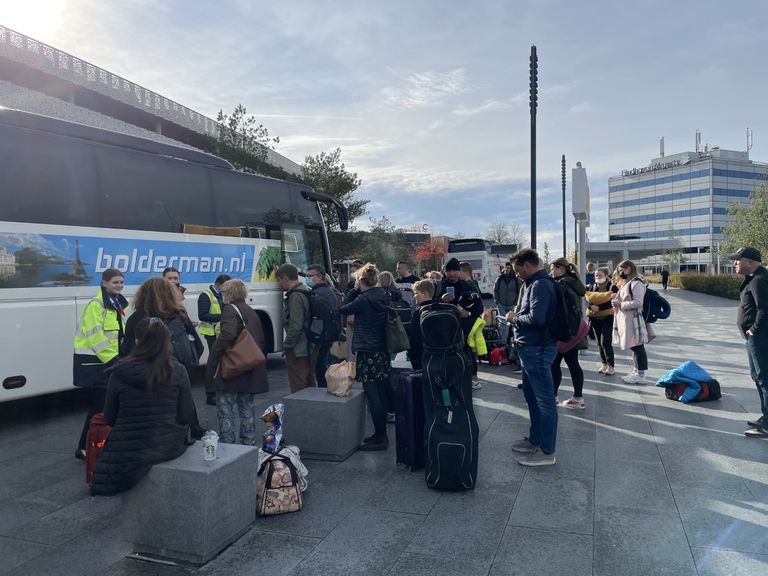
149, 406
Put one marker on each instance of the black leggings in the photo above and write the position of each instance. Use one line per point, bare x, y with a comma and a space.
603, 329
640, 357
95, 406
577, 374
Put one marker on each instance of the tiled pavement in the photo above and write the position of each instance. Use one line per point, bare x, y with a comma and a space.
642, 486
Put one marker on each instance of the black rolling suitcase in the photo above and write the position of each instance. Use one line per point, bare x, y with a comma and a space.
409, 420
451, 430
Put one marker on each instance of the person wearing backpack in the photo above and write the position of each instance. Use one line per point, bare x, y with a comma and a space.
237, 394
297, 314
536, 348
629, 325
563, 272
148, 405
322, 286
369, 302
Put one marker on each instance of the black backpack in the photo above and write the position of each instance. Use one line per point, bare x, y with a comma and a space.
565, 324
655, 306
324, 326
183, 348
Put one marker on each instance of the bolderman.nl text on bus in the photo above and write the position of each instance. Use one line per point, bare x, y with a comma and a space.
156, 263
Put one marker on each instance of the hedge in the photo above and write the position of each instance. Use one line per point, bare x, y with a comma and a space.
724, 285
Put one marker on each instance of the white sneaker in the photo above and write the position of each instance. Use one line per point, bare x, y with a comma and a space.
575, 404
602, 369
635, 379
609, 370
537, 458
476, 385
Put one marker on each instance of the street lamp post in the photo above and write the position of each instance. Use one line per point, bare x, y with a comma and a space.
534, 96
564, 226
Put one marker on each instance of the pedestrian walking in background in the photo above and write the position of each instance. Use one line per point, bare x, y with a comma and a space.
536, 348
237, 393
97, 344
296, 316
369, 303
629, 326
752, 320
601, 314
664, 278
564, 272
209, 305
148, 405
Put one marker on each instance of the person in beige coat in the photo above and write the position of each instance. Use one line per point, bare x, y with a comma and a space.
629, 327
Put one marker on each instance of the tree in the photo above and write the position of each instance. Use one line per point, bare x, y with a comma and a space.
385, 245
746, 223
240, 132
431, 252
673, 256
498, 232
545, 255
327, 174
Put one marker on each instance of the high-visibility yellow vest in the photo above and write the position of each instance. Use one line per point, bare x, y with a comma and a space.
211, 328
99, 331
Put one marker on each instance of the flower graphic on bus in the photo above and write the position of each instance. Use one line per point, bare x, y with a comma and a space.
270, 257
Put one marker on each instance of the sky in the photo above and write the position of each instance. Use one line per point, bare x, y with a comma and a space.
428, 99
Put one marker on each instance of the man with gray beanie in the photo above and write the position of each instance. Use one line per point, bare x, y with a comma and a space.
752, 320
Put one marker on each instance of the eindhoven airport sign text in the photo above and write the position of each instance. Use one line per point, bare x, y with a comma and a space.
651, 168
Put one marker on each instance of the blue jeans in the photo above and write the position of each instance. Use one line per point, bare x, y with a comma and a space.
539, 392
226, 404
757, 352
501, 321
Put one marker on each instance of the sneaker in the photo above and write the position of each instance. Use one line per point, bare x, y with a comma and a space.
634, 379
755, 423
758, 432
537, 458
602, 369
575, 404
476, 385
390, 417
524, 446
609, 371
557, 401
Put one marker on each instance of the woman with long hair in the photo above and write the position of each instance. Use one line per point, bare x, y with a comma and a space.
235, 396
563, 271
369, 302
97, 344
149, 405
160, 298
600, 312
629, 327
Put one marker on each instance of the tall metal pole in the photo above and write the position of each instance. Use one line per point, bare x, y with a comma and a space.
534, 96
564, 239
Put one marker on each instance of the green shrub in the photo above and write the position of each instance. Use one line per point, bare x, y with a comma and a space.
724, 285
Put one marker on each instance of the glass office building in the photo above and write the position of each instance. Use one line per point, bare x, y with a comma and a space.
683, 196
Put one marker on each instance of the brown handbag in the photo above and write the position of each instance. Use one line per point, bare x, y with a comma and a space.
243, 356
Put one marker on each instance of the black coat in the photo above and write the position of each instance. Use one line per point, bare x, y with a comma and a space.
147, 427
370, 309
255, 381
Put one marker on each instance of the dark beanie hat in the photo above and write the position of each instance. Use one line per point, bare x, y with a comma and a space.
452, 264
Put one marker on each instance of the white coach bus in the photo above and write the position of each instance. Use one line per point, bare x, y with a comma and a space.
477, 252
75, 200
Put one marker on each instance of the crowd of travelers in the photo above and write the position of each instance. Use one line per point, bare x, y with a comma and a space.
137, 369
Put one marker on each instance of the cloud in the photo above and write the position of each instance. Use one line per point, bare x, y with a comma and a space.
421, 89
491, 105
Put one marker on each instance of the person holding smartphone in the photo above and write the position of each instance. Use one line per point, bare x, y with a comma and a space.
470, 306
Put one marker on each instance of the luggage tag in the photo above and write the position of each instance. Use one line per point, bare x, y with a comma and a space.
447, 402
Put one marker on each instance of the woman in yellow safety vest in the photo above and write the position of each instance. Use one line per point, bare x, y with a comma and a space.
97, 344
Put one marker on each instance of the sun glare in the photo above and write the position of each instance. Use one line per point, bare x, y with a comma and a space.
38, 19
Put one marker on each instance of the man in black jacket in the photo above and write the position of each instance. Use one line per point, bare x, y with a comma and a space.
505, 295
469, 303
752, 320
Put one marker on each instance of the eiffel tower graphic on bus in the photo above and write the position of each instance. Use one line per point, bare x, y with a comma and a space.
77, 275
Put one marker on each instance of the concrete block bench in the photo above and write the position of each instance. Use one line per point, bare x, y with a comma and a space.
324, 426
190, 509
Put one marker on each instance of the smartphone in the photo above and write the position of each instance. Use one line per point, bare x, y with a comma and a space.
450, 290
